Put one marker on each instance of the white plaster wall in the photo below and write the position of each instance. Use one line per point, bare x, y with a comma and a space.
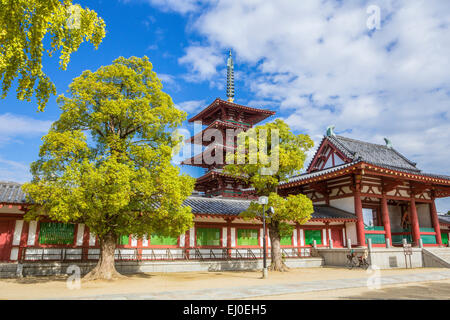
14, 254
294, 235
224, 237
92, 238
145, 241
32, 233
423, 213
350, 228
233, 237
324, 237
80, 234
302, 238
346, 204
192, 237
17, 233
134, 241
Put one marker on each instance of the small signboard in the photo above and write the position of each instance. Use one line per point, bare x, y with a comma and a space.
407, 248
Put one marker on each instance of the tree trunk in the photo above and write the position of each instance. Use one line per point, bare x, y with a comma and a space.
105, 268
277, 263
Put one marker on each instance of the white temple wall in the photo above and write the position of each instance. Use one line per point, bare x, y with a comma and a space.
346, 204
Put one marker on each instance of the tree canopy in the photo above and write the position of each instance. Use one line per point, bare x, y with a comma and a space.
270, 154
266, 156
107, 161
24, 24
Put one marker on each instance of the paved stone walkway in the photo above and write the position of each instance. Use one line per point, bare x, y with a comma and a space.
270, 290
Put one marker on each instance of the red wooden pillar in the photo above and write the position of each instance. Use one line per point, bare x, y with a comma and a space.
385, 218
229, 238
360, 233
435, 220
85, 245
414, 222
23, 241
139, 248
298, 238
187, 240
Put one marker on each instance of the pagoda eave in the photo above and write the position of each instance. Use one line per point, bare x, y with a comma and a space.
218, 124
257, 114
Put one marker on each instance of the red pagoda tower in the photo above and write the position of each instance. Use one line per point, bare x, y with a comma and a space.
222, 118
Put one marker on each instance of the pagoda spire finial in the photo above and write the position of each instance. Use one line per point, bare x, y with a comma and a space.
230, 79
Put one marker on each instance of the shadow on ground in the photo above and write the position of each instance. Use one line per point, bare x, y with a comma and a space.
434, 291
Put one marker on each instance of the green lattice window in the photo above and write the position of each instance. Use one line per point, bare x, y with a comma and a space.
428, 238
247, 237
426, 229
286, 240
376, 238
162, 240
123, 240
311, 235
444, 236
56, 233
208, 236
374, 228
398, 238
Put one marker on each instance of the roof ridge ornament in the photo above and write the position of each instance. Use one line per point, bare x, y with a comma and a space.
388, 143
330, 131
230, 78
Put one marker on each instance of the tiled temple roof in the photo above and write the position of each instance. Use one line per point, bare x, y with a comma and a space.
370, 153
11, 192
444, 219
314, 174
376, 154
219, 206
233, 207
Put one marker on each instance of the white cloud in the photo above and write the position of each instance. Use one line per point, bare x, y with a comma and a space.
191, 106
14, 171
318, 62
202, 62
17, 125
14, 128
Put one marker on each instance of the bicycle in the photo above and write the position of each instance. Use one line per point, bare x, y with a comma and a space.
355, 261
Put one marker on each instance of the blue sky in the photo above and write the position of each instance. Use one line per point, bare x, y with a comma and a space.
314, 62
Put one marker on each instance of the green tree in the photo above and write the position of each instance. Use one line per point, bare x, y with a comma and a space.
270, 154
23, 27
106, 161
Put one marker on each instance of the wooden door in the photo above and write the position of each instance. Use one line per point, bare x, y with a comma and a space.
336, 236
5, 240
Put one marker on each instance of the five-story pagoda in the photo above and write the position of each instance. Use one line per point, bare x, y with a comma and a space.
224, 120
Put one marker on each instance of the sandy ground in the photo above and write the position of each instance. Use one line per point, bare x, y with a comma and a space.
55, 287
